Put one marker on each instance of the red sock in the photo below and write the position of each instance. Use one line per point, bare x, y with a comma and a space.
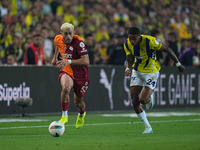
64, 106
81, 112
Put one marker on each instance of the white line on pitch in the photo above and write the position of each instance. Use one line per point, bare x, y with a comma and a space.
21, 120
154, 114
100, 124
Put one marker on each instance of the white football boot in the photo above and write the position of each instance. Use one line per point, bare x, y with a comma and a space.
148, 130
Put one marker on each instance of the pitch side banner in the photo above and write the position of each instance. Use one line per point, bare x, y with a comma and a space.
108, 90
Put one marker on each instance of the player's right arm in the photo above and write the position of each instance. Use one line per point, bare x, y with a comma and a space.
129, 58
129, 63
54, 60
58, 42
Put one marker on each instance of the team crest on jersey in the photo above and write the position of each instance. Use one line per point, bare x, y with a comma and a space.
82, 44
71, 48
65, 48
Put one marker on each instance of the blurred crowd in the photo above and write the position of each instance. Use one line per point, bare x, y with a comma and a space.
102, 24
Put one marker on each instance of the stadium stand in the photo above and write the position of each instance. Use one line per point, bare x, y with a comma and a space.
101, 19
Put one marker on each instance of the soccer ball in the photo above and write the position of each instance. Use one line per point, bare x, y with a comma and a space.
56, 129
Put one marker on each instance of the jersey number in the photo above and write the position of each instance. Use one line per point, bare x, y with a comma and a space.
150, 82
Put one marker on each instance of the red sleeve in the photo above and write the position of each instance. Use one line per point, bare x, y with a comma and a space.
82, 49
80, 45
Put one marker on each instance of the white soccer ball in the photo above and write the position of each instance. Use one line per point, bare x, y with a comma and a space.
56, 129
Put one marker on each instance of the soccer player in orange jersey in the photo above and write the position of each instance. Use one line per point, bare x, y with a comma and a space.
74, 71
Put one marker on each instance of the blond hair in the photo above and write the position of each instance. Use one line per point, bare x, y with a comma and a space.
67, 26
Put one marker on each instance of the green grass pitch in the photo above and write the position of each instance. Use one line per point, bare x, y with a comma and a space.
117, 131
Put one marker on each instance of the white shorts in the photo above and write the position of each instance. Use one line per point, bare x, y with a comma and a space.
144, 79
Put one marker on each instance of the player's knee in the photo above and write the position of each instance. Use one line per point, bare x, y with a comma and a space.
66, 89
143, 100
135, 102
134, 98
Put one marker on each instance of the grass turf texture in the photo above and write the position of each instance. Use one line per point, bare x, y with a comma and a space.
106, 133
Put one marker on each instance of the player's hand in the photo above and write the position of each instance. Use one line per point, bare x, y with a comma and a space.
127, 72
54, 61
181, 68
62, 63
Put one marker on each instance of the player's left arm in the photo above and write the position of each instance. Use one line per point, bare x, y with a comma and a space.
83, 53
167, 49
83, 61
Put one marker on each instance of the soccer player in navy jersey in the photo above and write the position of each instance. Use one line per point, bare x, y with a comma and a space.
74, 71
144, 68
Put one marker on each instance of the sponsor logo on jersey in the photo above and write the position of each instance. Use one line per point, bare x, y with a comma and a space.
139, 57
82, 44
83, 50
66, 55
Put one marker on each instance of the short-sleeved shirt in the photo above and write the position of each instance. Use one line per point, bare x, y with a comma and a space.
144, 53
74, 50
